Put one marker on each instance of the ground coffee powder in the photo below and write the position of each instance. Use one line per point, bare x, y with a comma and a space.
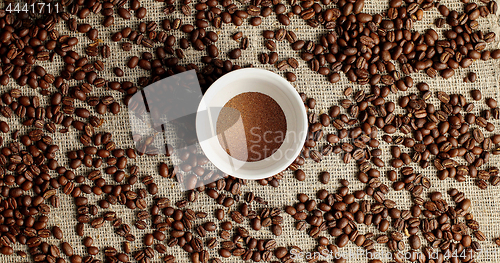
251, 126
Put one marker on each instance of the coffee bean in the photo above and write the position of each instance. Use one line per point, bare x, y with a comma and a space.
92, 51
84, 28
93, 34
225, 253
219, 214
213, 51
133, 62
57, 232
144, 64
342, 240
6, 250
140, 12
492, 103
264, 58
4, 127
235, 53
300, 175
471, 77
324, 177
269, 44
273, 57
283, 19
105, 51
114, 108
82, 112
268, 34
255, 21
67, 249
282, 65
126, 46
293, 63
237, 36
414, 241
277, 230
124, 13
290, 77
118, 72
122, 257
280, 252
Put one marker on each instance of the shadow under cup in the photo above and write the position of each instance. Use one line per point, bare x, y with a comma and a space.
236, 83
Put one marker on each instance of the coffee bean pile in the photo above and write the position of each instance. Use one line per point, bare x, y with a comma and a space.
445, 133
379, 50
339, 213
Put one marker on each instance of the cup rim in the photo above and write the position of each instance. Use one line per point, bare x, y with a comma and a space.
294, 98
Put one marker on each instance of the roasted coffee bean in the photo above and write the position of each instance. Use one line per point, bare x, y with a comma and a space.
270, 44
268, 34
492, 103
476, 94
414, 242
67, 249
124, 13
283, 19
57, 232
290, 77
324, 177
264, 58
235, 53
300, 175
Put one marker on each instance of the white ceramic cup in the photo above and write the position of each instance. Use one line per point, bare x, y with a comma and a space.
251, 80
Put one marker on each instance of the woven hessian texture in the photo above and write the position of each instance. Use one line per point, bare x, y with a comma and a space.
486, 203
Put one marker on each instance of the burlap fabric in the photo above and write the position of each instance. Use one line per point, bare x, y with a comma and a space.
486, 202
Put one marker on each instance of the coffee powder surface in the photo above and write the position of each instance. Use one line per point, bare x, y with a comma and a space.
251, 126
